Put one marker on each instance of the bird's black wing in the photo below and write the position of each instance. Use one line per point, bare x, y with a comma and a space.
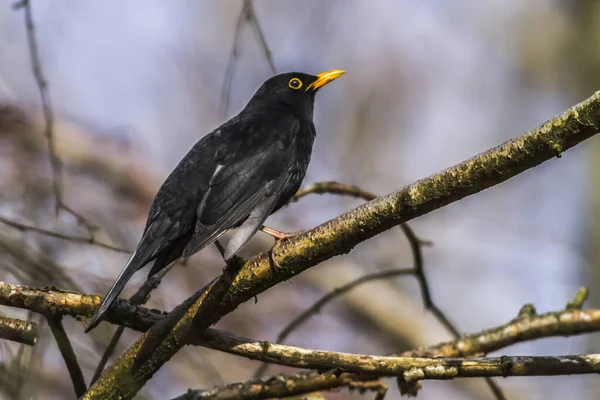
171, 219
249, 179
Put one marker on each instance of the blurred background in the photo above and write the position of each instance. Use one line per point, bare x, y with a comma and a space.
134, 84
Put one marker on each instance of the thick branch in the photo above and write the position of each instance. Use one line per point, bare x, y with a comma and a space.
341, 234
139, 298
17, 330
155, 347
527, 326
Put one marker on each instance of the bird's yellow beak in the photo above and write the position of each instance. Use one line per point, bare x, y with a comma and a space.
324, 78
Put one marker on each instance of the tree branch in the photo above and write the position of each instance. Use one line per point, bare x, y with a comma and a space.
76, 239
138, 298
341, 234
55, 162
247, 14
527, 326
155, 347
316, 307
423, 368
68, 354
18, 330
276, 386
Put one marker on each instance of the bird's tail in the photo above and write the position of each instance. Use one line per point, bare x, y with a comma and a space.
130, 268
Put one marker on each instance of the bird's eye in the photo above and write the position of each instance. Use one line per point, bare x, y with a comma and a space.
295, 83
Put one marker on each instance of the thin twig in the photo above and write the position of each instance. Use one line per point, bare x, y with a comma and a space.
77, 239
68, 354
46, 103
55, 162
318, 305
253, 20
18, 330
247, 14
233, 57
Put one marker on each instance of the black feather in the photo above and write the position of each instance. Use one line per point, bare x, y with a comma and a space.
235, 176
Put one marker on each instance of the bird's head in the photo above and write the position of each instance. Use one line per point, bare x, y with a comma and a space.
294, 89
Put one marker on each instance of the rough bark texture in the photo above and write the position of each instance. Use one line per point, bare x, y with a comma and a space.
17, 330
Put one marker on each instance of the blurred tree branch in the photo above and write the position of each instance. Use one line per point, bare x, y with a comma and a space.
76, 239
67, 352
18, 330
42, 84
246, 15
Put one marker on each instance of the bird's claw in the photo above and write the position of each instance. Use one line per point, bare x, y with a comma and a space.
272, 262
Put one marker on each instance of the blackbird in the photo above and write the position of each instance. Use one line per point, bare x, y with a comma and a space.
234, 177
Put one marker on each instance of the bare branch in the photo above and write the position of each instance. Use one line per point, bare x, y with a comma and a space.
247, 14
253, 20
18, 330
42, 84
36, 66
411, 368
68, 354
165, 338
578, 300
316, 307
77, 239
230, 69
275, 386
527, 326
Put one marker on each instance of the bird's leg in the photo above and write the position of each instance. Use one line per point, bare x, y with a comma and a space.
220, 248
278, 236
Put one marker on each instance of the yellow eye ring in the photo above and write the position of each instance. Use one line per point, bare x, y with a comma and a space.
295, 83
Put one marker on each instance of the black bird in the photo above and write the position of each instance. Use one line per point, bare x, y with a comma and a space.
234, 177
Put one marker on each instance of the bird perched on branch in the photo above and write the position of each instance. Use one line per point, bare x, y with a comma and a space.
234, 177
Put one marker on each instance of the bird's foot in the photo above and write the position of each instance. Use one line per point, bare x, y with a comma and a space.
278, 236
